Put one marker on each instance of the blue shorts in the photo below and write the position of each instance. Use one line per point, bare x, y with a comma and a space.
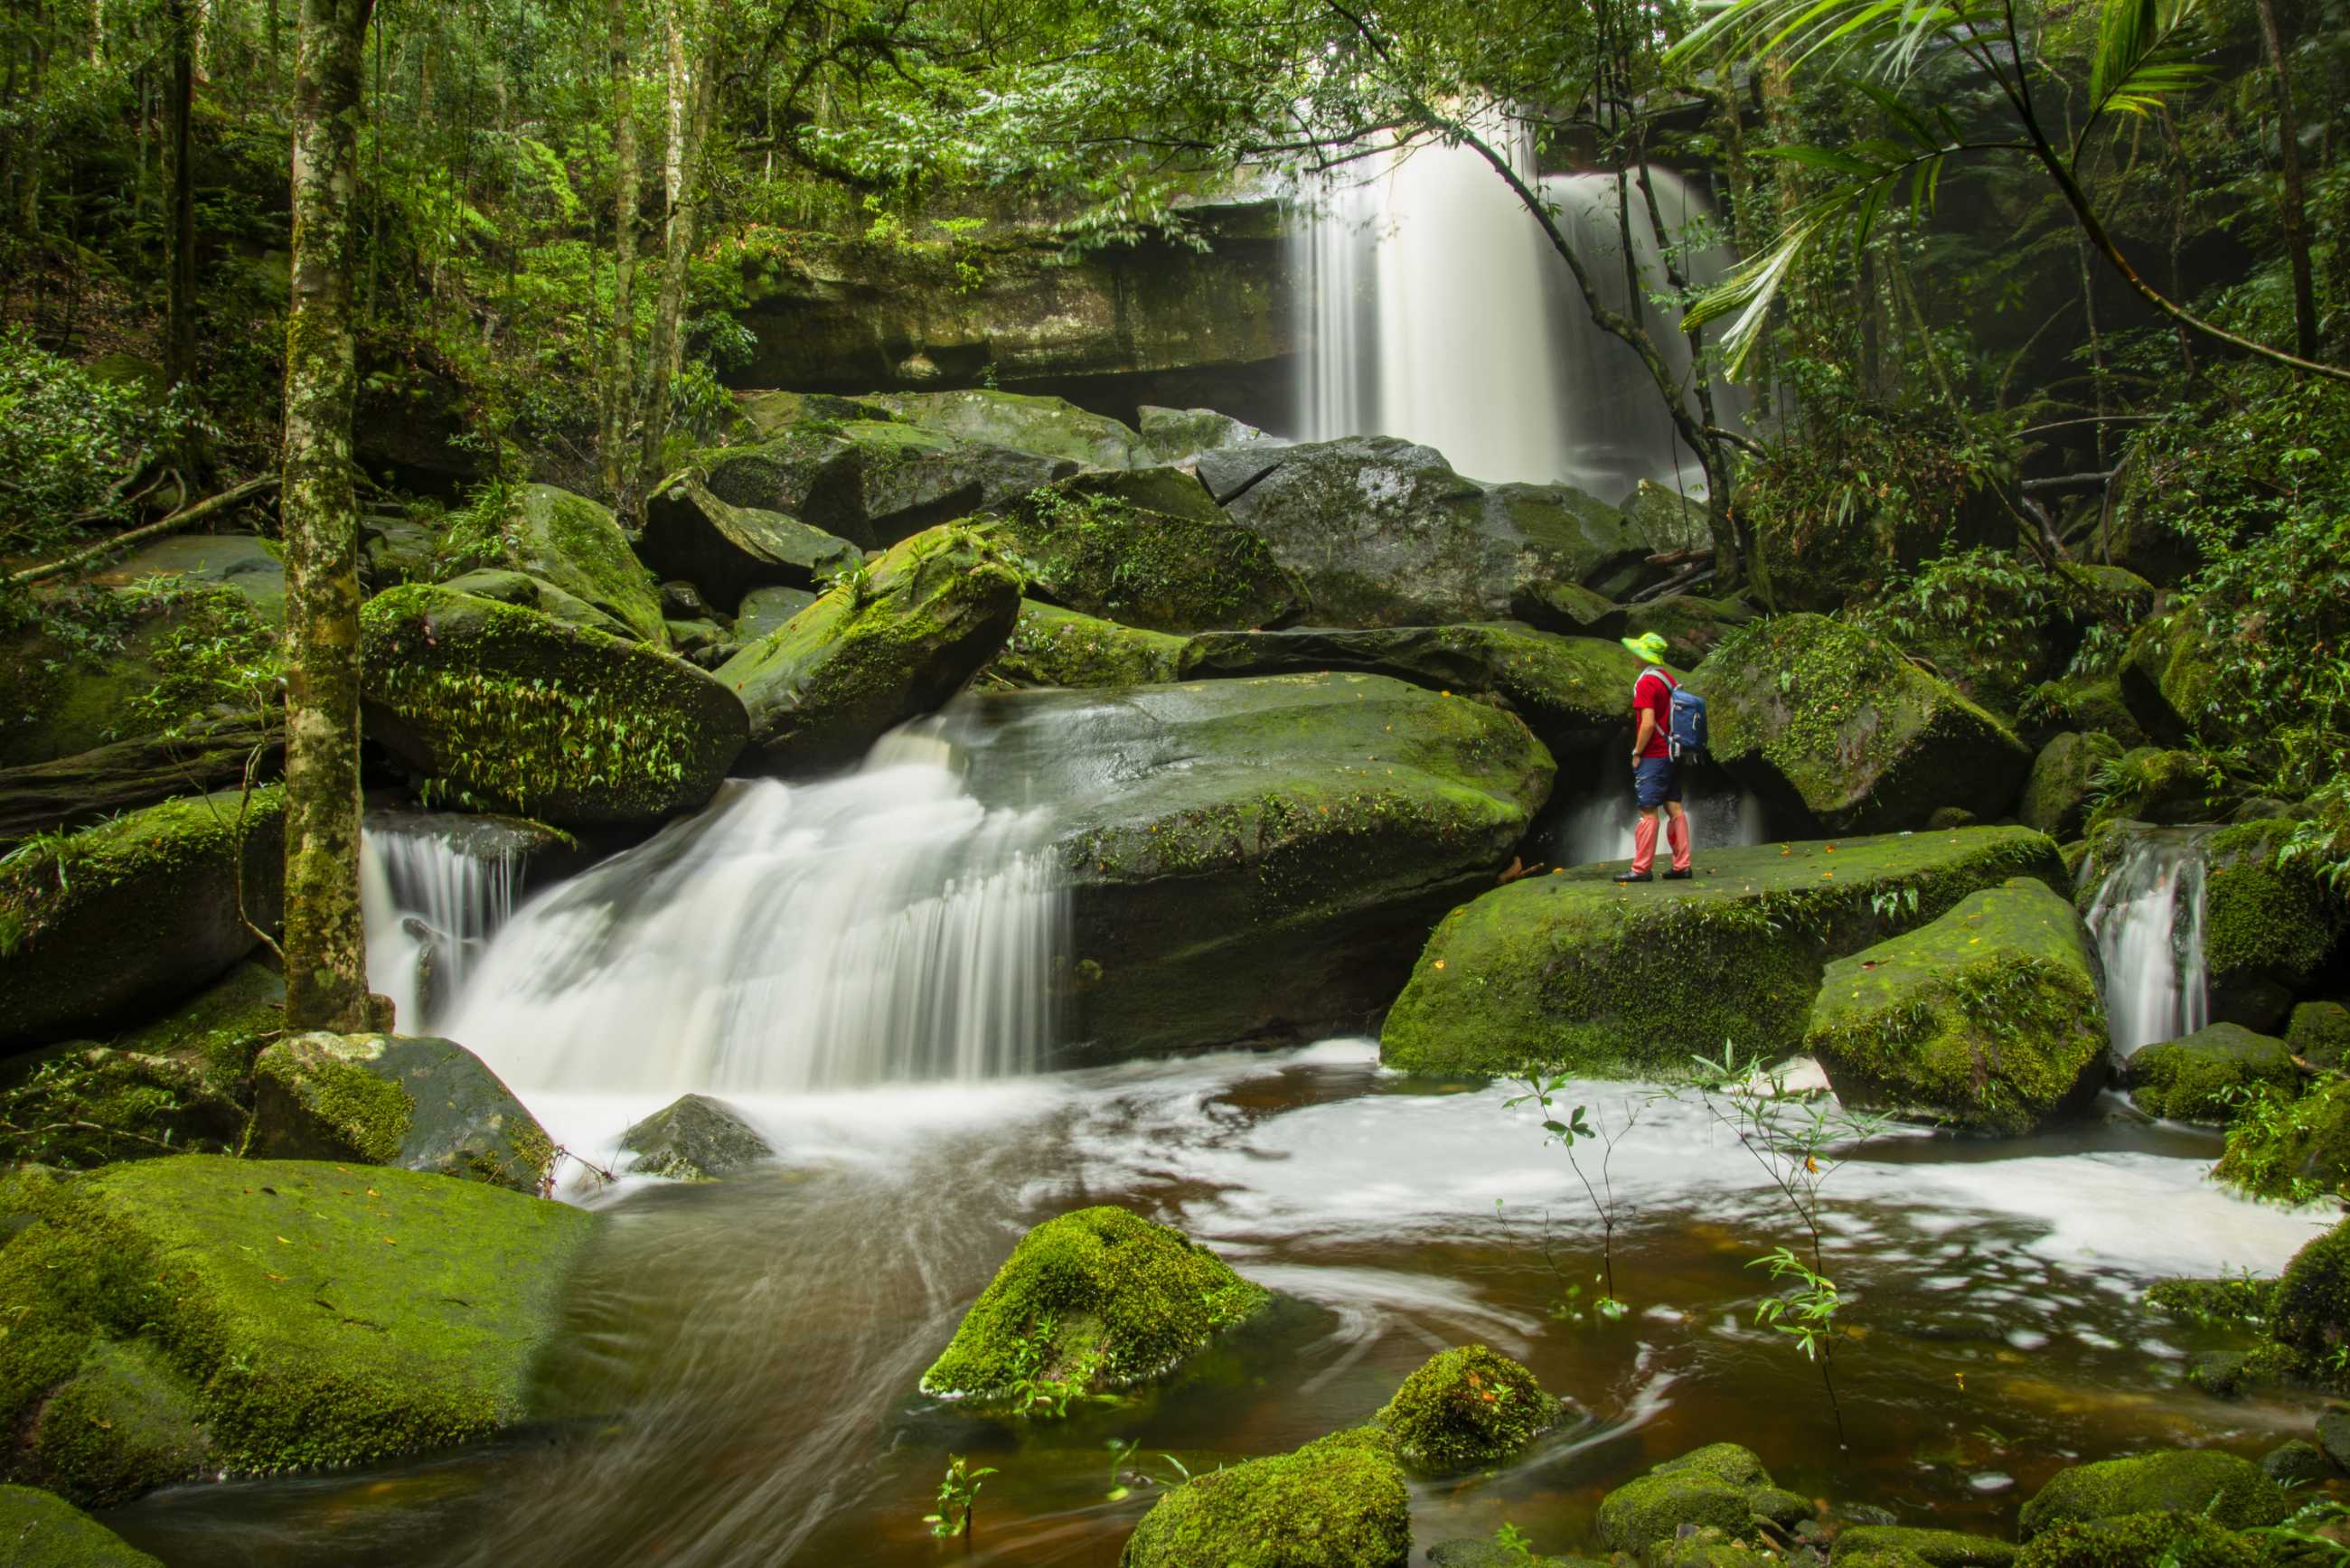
1655, 780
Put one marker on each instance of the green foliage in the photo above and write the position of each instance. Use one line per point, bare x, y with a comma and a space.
958, 1497
2286, 1149
71, 443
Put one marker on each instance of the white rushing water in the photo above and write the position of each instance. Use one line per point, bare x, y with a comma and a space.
878, 928
430, 903
2147, 918
1600, 826
1435, 308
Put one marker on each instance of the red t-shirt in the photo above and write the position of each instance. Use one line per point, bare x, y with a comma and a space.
1654, 691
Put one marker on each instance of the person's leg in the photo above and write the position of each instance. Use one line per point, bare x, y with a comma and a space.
1644, 842
1677, 834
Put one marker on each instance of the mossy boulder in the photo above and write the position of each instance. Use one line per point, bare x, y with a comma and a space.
1813, 713
2269, 925
2292, 1150
2193, 1078
2229, 1492
727, 551
1275, 848
2056, 795
81, 1105
2310, 1311
242, 562
1050, 646
1719, 1487
2298, 1462
1665, 519
694, 1139
61, 698
1047, 426
1987, 1019
765, 611
130, 915
416, 1102
292, 1315
2167, 676
1575, 972
1935, 1548
879, 647
1098, 1300
576, 545
2319, 1033
2169, 1539
1338, 1502
2148, 784
42, 1529
1691, 626
1574, 693
511, 710
1175, 434
2086, 703
1383, 533
1466, 1409
1149, 548
527, 592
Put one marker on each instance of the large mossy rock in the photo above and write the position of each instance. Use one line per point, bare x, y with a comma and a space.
2292, 1150
2056, 795
412, 1100
1693, 627
1098, 1300
1174, 435
255, 1316
1935, 1548
77, 1105
576, 545
2309, 1312
130, 915
694, 1139
1255, 861
1149, 548
249, 565
525, 592
2319, 1033
41, 1530
2230, 1493
1467, 1409
60, 699
1811, 712
728, 551
2166, 677
1050, 646
511, 710
2177, 1539
2269, 926
1576, 972
1338, 1502
1049, 426
1383, 533
1719, 1487
881, 647
1987, 1019
1574, 693
2199, 1077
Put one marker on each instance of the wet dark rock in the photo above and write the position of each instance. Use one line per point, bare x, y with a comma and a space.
2334, 1435
727, 551
694, 1139
125, 775
416, 1102
680, 601
1176, 435
765, 611
2299, 1462
1045, 426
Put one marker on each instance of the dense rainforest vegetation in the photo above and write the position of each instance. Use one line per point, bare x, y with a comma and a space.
497, 441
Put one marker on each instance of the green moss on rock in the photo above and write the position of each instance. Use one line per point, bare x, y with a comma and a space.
2310, 1311
1050, 646
1987, 1018
2172, 1540
1717, 1487
2199, 1077
1149, 548
77, 1105
1338, 1502
2291, 1150
577, 545
730, 551
125, 1418
1097, 1300
1573, 971
2230, 1493
2267, 925
39, 1530
1467, 1408
416, 1102
2056, 795
2319, 1033
222, 1029
1935, 1548
1047, 426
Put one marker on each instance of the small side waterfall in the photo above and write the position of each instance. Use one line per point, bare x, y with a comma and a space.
2147, 918
880, 927
1600, 826
430, 903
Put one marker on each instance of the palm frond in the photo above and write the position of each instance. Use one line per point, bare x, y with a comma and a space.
2142, 55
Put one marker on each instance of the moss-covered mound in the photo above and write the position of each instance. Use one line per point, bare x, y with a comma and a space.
504, 709
728, 551
2230, 1493
129, 916
1575, 972
873, 481
2293, 1150
1149, 548
76, 1105
2267, 925
1719, 1487
40, 1530
1987, 1019
2183, 1539
1273, 851
1935, 1548
2319, 1033
1046, 426
257, 1316
2310, 1311
525, 592
415, 1102
1050, 646
1814, 713
2198, 1077
61, 697
2165, 676
1467, 1408
1338, 1502
885, 644
576, 545
1573, 692
2056, 795
1094, 1301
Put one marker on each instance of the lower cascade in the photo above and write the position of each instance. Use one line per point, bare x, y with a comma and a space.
430, 902
2149, 922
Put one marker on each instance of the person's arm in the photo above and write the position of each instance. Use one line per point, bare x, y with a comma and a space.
1648, 728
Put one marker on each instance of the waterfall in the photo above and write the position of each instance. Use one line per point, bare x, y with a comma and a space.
2147, 918
884, 927
430, 902
1435, 308
1600, 825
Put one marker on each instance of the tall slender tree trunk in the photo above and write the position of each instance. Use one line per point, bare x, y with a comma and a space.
325, 942
2296, 207
179, 201
690, 99
620, 393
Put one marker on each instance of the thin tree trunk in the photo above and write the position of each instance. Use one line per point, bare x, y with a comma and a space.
178, 202
325, 942
2296, 207
690, 120
620, 392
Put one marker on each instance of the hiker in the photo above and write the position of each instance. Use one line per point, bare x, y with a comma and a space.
1656, 771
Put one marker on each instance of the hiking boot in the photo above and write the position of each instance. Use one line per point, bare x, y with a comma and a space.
1679, 876
1636, 876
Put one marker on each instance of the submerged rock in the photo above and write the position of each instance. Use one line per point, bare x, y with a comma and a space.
1338, 1502
44, 1531
515, 712
728, 551
1576, 972
2056, 794
888, 643
2229, 1492
1255, 861
2195, 1078
127, 916
1093, 1302
1053, 646
412, 1100
694, 1139
1987, 1018
276, 1314
1465, 1409
1719, 1487
1809, 711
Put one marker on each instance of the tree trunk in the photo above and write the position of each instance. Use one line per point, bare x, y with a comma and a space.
689, 122
621, 389
2296, 208
178, 202
326, 943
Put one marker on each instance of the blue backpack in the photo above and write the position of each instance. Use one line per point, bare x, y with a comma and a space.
1685, 733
